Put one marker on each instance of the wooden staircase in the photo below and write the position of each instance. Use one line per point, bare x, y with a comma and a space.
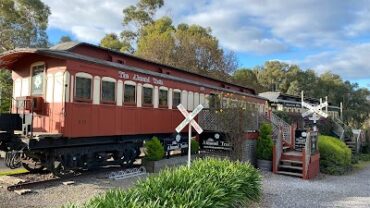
291, 164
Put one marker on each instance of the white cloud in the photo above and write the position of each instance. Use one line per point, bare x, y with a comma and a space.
256, 26
351, 62
338, 30
279, 24
88, 20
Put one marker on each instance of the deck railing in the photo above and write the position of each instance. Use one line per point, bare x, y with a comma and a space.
307, 155
285, 128
278, 151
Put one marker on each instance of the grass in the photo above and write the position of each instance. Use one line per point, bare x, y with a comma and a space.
360, 165
13, 172
209, 183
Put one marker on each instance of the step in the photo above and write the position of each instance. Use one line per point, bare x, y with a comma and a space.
350, 142
292, 161
291, 167
290, 173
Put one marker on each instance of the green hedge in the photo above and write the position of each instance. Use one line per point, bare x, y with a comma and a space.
335, 156
209, 183
264, 142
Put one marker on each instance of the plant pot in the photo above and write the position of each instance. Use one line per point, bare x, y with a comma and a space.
265, 165
156, 166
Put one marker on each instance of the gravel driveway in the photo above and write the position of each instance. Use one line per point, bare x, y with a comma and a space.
325, 191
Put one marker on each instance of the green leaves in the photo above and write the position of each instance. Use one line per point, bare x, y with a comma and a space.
264, 142
154, 150
335, 156
23, 23
209, 183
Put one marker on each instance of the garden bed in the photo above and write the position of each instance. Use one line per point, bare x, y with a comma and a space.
208, 183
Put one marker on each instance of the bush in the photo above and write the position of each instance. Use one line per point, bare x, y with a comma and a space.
335, 156
154, 150
194, 146
264, 142
365, 157
208, 183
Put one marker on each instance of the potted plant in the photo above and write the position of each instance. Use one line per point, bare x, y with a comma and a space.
264, 147
194, 146
154, 151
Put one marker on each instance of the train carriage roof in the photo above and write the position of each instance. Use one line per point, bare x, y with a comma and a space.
64, 51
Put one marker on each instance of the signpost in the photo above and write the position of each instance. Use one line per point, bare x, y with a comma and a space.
189, 119
316, 112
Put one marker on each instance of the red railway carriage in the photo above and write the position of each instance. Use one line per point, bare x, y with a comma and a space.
77, 105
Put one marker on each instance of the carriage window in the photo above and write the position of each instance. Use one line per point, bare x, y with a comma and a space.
108, 91
176, 99
83, 88
163, 98
37, 79
147, 96
130, 94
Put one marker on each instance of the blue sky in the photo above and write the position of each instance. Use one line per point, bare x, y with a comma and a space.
322, 35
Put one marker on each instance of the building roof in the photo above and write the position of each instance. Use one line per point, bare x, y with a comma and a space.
278, 97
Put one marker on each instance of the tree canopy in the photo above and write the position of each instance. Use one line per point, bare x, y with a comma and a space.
191, 47
23, 23
291, 79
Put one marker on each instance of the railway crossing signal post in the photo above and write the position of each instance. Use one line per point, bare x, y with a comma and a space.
189, 119
316, 112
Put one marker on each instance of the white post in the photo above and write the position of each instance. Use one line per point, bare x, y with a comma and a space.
189, 146
302, 100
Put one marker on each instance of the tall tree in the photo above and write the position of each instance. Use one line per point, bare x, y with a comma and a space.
247, 77
191, 47
135, 17
23, 23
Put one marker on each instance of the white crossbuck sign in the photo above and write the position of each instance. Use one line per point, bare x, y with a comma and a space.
189, 119
315, 111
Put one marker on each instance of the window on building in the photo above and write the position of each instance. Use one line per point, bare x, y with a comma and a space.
214, 101
130, 94
108, 90
38, 79
176, 99
163, 98
83, 88
147, 96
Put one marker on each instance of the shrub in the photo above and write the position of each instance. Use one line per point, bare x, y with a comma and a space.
208, 183
154, 150
364, 157
335, 156
194, 146
264, 142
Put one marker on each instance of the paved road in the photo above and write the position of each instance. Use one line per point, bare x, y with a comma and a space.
326, 191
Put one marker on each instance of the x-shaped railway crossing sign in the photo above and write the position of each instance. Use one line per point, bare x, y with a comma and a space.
315, 110
189, 118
